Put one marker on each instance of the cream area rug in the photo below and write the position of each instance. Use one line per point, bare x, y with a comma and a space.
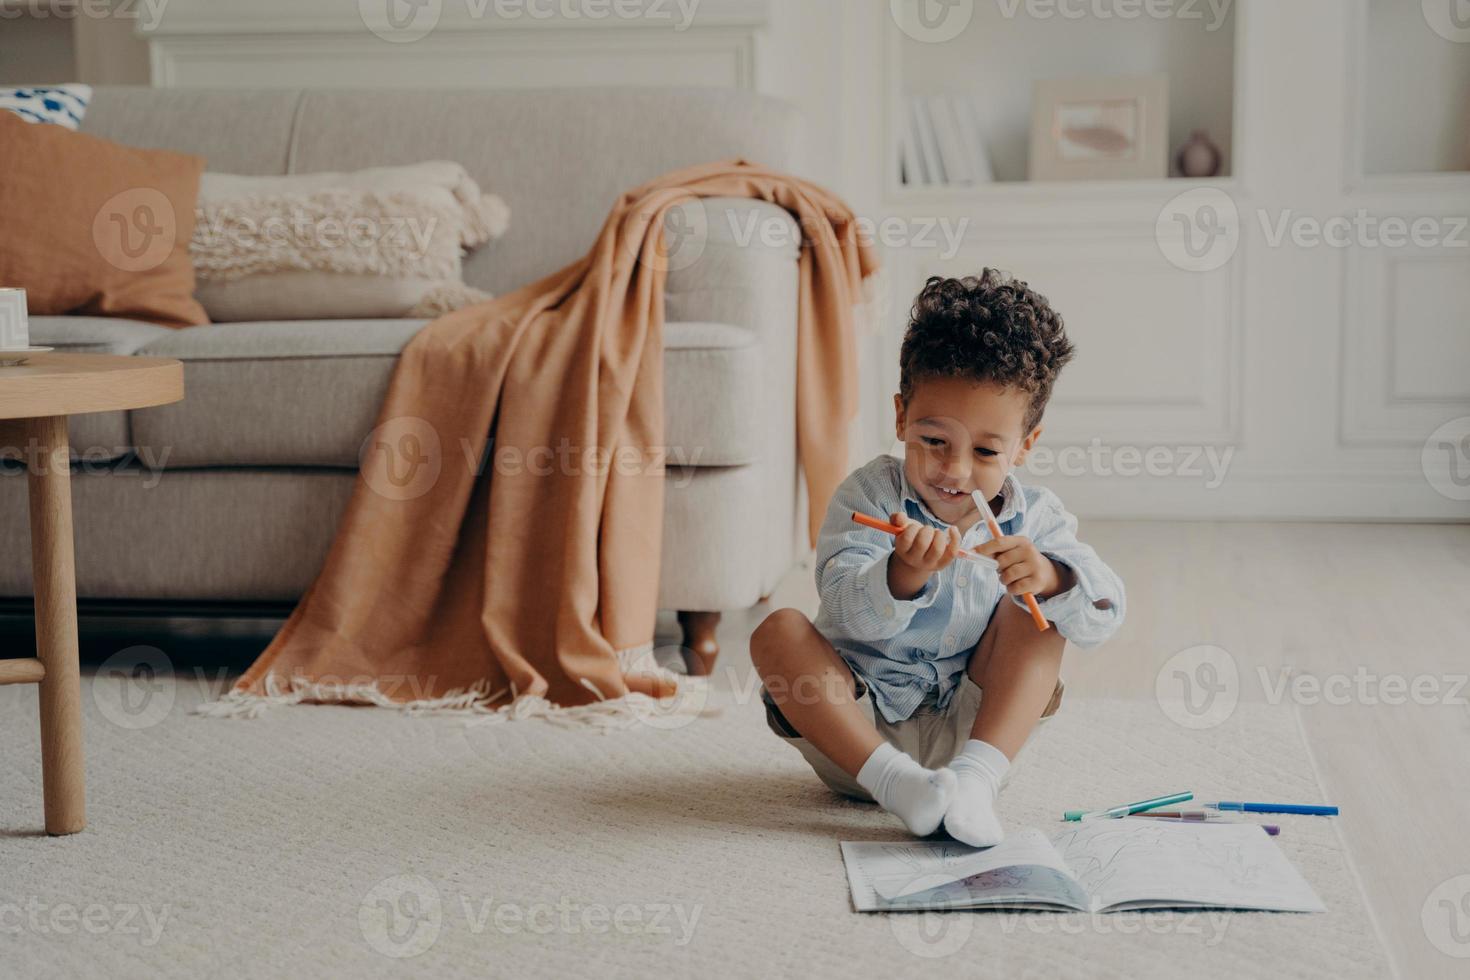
332, 841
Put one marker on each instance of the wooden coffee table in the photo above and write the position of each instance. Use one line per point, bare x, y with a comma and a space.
35, 399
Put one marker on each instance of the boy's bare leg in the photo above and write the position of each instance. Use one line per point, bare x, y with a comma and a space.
1016, 666
813, 688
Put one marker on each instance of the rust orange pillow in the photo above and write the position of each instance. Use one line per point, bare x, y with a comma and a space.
91, 226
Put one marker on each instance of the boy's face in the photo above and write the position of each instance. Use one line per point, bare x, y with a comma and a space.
961, 436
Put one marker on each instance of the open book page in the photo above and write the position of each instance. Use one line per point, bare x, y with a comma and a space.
1154, 863
1022, 871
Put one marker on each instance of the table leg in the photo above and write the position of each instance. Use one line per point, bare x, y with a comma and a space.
53, 567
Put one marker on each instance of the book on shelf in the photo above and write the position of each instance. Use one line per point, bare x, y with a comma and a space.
928, 145
940, 143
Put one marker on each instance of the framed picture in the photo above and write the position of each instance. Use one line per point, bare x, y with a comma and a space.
1100, 128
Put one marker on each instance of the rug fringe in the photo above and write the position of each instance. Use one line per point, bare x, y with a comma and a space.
475, 703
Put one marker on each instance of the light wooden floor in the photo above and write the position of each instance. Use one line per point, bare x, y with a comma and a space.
1323, 600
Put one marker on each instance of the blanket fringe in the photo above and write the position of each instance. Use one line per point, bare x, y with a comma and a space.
475, 704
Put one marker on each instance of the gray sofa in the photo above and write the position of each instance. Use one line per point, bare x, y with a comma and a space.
233, 495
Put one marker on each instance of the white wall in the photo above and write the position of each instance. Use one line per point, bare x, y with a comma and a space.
35, 50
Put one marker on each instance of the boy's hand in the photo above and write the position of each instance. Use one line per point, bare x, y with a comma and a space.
920, 546
1025, 569
918, 552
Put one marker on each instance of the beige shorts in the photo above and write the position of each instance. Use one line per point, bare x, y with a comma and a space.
930, 735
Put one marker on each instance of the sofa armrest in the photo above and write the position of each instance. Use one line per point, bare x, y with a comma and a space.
734, 260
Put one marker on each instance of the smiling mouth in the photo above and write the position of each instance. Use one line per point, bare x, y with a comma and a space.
949, 495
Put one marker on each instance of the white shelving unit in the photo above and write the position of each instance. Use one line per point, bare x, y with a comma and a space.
995, 61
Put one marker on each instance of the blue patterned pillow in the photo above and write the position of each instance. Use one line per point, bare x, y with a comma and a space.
63, 105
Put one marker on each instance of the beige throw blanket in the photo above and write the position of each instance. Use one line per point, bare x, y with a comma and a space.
461, 577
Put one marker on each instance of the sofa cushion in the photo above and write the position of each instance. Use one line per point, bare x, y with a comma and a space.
372, 243
99, 435
97, 227
307, 393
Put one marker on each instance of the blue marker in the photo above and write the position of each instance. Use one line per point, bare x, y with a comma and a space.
1318, 811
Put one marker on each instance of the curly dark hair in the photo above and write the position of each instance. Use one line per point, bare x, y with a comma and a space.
989, 329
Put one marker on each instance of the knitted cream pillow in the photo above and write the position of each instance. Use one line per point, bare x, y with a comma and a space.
383, 242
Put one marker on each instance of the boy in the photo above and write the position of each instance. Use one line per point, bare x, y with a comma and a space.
912, 651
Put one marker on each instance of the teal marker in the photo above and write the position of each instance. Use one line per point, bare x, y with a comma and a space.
1127, 808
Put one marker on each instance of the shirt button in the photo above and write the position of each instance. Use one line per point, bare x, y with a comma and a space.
962, 581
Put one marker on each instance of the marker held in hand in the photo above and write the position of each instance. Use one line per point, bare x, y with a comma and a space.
983, 506
893, 529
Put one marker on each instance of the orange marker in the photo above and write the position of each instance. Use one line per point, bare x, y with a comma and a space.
984, 507
895, 530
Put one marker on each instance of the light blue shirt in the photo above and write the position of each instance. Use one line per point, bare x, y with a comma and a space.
907, 649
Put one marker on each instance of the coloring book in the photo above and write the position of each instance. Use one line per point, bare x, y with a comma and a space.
1091, 866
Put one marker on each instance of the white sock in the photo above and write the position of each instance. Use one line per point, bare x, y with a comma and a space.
971, 818
917, 796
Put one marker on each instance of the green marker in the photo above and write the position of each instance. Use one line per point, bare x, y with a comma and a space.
1127, 808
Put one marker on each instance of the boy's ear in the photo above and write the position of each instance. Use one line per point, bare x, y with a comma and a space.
1025, 448
898, 416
